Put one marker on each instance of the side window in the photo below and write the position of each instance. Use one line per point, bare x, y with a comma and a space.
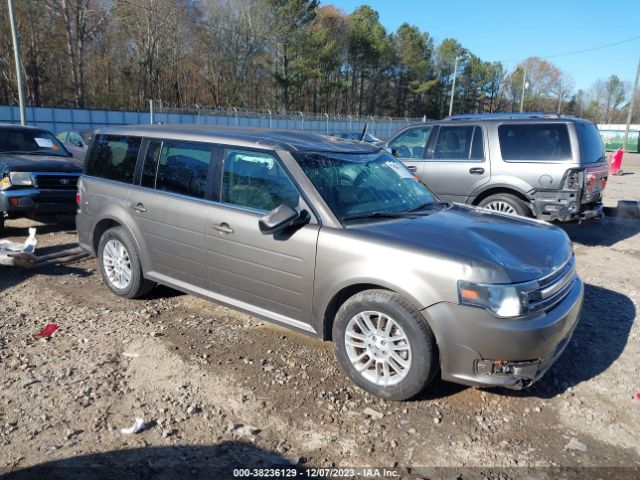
477, 145
182, 167
74, 138
150, 166
531, 142
256, 180
454, 143
411, 143
113, 157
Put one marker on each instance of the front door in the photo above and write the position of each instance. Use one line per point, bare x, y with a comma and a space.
409, 147
266, 274
455, 163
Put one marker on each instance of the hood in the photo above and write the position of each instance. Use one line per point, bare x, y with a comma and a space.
39, 163
496, 248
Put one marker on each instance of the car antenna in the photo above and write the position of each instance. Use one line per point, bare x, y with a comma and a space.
364, 131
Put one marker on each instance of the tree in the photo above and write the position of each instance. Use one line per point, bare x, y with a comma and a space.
81, 20
615, 95
292, 17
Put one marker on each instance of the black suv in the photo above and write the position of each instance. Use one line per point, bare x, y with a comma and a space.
37, 174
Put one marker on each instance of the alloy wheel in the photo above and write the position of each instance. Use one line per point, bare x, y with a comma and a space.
117, 264
378, 348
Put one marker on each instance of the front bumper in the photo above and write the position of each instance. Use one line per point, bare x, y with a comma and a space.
32, 201
479, 349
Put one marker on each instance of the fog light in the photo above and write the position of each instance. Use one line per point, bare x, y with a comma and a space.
14, 201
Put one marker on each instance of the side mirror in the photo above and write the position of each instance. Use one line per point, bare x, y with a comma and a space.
282, 218
392, 151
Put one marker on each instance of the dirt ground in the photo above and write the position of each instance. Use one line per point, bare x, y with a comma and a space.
219, 390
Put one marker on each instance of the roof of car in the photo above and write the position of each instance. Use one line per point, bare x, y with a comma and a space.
246, 137
506, 117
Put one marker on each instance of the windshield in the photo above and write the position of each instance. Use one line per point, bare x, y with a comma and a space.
355, 185
26, 140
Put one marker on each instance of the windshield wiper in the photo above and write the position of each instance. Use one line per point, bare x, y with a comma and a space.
426, 206
379, 215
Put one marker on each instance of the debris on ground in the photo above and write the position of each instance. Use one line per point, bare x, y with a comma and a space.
14, 254
575, 444
137, 426
370, 412
48, 330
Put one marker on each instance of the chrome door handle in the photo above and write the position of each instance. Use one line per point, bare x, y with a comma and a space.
137, 207
222, 228
476, 171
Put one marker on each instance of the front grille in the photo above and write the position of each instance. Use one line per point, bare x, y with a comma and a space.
553, 288
57, 181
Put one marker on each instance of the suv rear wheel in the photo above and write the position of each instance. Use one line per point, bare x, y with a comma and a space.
506, 203
384, 345
120, 264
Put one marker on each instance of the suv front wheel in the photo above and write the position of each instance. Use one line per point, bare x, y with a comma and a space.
505, 203
120, 264
384, 345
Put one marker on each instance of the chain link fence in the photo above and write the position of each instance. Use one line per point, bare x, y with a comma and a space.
61, 119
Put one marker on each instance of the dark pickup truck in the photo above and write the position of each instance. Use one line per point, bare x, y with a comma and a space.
38, 175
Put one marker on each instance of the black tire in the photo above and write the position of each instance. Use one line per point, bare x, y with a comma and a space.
424, 355
1, 222
519, 206
138, 286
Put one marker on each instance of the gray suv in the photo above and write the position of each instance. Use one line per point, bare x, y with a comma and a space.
546, 166
335, 239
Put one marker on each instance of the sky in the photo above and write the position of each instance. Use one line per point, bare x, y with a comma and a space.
510, 31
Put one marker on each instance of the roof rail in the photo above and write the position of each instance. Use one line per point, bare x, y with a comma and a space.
515, 115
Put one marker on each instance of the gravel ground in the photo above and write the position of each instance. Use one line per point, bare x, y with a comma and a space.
218, 389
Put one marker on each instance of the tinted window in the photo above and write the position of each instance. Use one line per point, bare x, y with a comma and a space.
182, 167
453, 143
535, 142
34, 142
590, 143
113, 157
411, 143
477, 146
150, 166
256, 180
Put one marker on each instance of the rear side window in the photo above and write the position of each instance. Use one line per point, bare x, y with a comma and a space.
591, 145
459, 143
531, 142
113, 157
177, 167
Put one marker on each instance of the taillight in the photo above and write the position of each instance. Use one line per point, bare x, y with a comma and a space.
593, 176
78, 198
572, 181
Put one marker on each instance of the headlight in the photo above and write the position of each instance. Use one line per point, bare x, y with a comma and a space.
21, 179
501, 300
5, 183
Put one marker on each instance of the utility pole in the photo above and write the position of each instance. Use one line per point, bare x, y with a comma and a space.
453, 85
524, 85
16, 54
633, 100
560, 101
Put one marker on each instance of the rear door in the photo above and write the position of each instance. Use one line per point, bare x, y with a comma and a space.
170, 207
409, 147
265, 274
455, 162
